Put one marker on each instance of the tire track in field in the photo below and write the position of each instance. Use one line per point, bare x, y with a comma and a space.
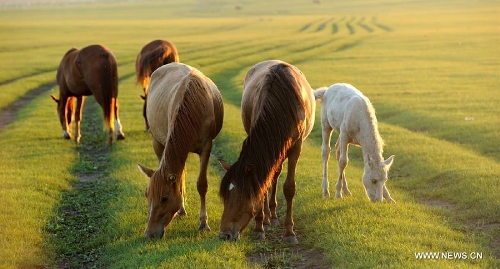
80, 216
381, 26
9, 113
5, 82
308, 25
353, 25
364, 26
349, 26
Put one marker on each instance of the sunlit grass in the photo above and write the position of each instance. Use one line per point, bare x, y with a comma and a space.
424, 77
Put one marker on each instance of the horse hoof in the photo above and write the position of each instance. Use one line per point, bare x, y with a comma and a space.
326, 195
204, 227
267, 227
259, 235
275, 222
291, 239
120, 136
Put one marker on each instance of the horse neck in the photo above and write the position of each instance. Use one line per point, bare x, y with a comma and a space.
370, 141
265, 152
175, 155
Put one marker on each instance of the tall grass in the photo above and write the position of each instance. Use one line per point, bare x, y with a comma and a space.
425, 77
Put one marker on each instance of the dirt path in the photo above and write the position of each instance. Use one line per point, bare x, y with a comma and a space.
9, 113
81, 215
273, 253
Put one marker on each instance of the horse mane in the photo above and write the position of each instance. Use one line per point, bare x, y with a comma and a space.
376, 138
270, 138
151, 60
187, 118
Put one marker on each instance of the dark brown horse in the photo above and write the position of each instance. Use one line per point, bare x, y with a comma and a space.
185, 113
278, 108
88, 71
153, 55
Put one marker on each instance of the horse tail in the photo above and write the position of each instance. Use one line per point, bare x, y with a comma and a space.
319, 92
138, 69
109, 84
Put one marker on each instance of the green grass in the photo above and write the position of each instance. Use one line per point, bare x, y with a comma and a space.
426, 66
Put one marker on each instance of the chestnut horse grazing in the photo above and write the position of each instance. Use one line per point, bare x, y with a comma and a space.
347, 111
89, 71
185, 113
153, 55
278, 109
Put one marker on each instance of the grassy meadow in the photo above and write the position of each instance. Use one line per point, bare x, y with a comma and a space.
430, 68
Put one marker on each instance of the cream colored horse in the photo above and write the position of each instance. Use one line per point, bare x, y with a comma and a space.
347, 111
185, 113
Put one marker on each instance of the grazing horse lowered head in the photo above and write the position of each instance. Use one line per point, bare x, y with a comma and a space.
278, 114
153, 55
185, 112
347, 111
88, 71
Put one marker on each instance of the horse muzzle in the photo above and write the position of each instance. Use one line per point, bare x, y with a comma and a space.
229, 236
154, 234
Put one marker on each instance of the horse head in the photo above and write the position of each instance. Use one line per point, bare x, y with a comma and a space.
164, 195
374, 178
238, 209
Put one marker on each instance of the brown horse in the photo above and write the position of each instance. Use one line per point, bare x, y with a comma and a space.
278, 109
153, 55
89, 71
185, 113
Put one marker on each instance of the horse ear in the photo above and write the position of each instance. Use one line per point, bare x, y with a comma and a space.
389, 161
224, 164
54, 98
143, 97
148, 172
249, 169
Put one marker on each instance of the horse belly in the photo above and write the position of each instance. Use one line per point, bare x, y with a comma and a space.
79, 88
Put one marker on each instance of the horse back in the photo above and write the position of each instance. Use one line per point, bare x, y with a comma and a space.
98, 66
296, 93
345, 107
68, 76
168, 91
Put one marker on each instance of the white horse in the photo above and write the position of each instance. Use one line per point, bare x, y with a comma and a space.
347, 111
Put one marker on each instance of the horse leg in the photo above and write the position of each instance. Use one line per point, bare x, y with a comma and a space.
78, 117
273, 202
387, 195
65, 113
289, 191
342, 150
202, 185
258, 231
267, 212
118, 126
325, 154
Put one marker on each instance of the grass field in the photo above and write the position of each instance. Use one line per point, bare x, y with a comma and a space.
431, 69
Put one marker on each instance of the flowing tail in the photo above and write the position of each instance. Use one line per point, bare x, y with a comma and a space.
109, 84
319, 92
